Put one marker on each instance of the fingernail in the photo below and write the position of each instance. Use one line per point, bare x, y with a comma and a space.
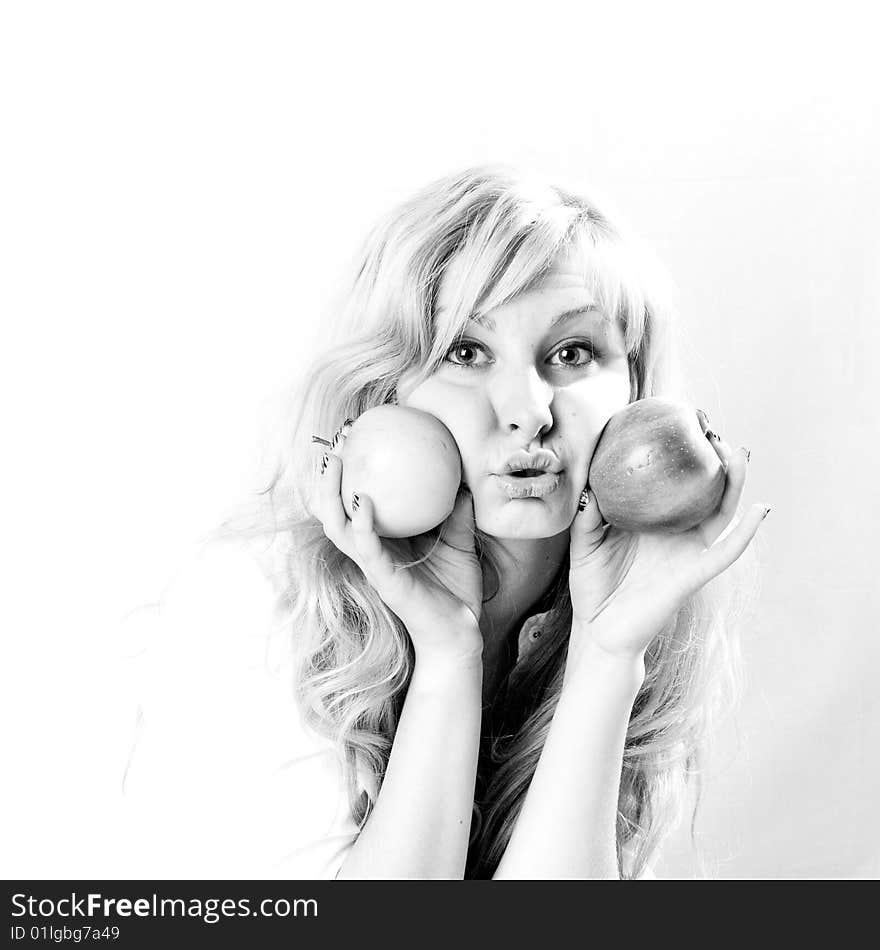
584, 500
338, 436
318, 439
325, 458
355, 502
767, 511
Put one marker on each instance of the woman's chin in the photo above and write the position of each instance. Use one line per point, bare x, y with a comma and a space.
523, 520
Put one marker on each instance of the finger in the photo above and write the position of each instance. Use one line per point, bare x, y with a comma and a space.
737, 468
588, 528
341, 435
724, 552
325, 448
372, 555
722, 449
458, 529
330, 511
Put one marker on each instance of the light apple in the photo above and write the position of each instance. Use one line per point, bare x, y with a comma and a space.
655, 469
409, 465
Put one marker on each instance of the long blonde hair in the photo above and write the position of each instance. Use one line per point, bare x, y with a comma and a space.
353, 656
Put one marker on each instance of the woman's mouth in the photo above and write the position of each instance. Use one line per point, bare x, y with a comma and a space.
530, 483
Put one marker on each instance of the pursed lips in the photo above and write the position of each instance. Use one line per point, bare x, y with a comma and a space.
527, 473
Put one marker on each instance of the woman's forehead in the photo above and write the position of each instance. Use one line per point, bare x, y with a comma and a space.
568, 269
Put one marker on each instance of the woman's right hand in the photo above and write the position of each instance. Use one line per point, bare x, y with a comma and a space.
439, 600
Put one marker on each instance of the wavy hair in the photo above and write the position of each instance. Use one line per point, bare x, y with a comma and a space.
353, 657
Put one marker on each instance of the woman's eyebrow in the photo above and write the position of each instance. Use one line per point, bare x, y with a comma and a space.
486, 321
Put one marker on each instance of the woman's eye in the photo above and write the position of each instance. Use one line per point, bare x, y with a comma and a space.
575, 354
465, 354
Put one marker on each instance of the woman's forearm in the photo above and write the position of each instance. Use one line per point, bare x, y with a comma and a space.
420, 825
567, 825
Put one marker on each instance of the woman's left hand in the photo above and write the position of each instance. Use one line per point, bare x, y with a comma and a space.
624, 587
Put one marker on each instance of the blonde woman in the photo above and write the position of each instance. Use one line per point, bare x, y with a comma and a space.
524, 691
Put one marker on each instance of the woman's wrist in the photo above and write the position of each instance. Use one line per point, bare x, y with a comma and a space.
587, 657
446, 660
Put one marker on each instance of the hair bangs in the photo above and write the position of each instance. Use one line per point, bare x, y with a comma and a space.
615, 278
494, 267
505, 256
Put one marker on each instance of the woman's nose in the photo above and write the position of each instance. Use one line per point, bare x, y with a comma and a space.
522, 403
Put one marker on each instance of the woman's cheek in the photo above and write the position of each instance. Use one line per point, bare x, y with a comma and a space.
459, 411
601, 398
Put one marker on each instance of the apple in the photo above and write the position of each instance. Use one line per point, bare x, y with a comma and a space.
654, 468
409, 465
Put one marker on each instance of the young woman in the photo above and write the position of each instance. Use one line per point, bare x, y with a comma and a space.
522, 692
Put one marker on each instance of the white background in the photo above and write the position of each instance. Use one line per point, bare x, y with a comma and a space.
182, 184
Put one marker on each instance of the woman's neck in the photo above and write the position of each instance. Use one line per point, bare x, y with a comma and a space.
526, 570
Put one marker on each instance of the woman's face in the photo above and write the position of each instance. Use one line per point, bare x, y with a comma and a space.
542, 373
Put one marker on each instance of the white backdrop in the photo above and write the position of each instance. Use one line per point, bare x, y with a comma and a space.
181, 185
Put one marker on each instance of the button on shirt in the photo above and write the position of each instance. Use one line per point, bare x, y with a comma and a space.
529, 634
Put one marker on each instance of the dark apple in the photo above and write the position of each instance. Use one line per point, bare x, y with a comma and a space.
655, 469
